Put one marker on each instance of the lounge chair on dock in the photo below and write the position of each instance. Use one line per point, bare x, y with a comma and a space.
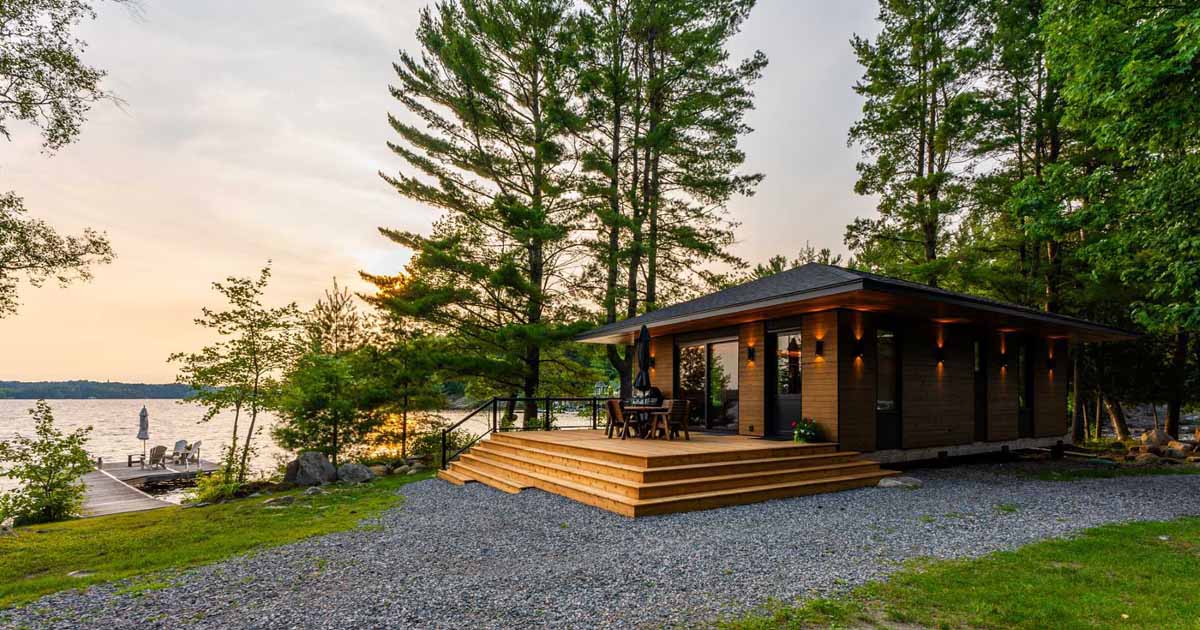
158, 457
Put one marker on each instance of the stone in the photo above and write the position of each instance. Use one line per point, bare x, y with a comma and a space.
1102, 461
311, 468
1146, 459
1175, 453
400, 470
80, 574
379, 470
1155, 437
414, 470
351, 472
313, 491
279, 501
1180, 446
6, 526
1154, 449
1195, 459
196, 505
908, 483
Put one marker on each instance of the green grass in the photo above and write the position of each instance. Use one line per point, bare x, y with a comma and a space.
1122, 471
1139, 575
155, 544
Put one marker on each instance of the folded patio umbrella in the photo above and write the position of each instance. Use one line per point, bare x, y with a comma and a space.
143, 428
641, 381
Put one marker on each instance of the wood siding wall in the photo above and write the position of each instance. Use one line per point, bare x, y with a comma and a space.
819, 375
662, 375
752, 382
1002, 387
937, 401
1050, 388
856, 379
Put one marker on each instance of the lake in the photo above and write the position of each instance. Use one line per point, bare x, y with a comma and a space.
115, 422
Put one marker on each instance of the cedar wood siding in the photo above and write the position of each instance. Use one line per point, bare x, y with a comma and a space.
752, 382
1002, 388
819, 375
937, 402
662, 375
856, 378
1050, 388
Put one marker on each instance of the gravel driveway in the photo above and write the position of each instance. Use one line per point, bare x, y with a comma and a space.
473, 557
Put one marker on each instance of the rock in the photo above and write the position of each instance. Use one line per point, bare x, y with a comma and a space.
1154, 449
1155, 437
414, 470
908, 483
354, 473
196, 505
1180, 446
1146, 459
1175, 453
1101, 461
400, 470
311, 468
1195, 459
284, 500
379, 470
80, 574
313, 491
6, 526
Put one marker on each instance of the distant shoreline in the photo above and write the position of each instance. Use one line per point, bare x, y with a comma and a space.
89, 390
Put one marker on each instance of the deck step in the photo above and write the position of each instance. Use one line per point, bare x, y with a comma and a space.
454, 476
767, 449
500, 482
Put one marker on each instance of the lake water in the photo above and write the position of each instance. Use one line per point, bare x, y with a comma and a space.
115, 422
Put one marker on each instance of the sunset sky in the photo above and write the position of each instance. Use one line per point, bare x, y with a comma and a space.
250, 131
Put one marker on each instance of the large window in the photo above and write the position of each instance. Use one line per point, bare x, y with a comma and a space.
708, 378
886, 371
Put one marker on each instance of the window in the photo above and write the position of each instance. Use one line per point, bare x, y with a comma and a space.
1023, 376
787, 363
886, 371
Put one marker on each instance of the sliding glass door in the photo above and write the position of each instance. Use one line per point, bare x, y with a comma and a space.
708, 379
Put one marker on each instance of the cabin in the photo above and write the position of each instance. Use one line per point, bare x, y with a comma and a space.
887, 370
899, 370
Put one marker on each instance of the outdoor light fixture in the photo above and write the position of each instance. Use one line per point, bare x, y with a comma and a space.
939, 355
1050, 362
750, 353
820, 350
652, 360
1004, 359
858, 348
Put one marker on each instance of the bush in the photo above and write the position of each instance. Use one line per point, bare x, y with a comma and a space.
806, 430
213, 488
49, 469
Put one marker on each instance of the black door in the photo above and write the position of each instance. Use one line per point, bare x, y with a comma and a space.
981, 390
784, 376
1024, 390
888, 433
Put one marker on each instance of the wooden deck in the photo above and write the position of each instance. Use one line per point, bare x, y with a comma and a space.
641, 477
116, 488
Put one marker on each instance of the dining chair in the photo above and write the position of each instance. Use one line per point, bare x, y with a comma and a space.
616, 416
678, 418
660, 419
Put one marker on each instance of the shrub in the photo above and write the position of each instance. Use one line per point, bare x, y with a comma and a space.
213, 488
806, 430
48, 468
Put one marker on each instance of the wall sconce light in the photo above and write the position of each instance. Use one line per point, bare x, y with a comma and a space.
1050, 363
1004, 359
858, 348
820, 349
939, 355
652, 360
750, 353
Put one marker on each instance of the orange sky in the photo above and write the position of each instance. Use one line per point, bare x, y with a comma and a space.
254, 131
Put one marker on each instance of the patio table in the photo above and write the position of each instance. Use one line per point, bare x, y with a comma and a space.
643, 412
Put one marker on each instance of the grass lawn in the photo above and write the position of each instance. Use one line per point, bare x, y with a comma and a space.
1140, 575
36, 560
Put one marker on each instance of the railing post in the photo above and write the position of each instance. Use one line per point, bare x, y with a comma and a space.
595, 410
444, 462
495, 421
547, 413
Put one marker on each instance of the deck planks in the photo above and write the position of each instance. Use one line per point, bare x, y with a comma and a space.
114, 489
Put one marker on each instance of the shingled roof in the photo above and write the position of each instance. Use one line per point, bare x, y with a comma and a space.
815, 279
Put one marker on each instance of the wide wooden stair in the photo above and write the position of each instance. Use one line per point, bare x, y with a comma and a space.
644, 477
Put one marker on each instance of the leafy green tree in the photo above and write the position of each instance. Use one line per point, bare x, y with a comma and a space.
334, 324
44, 82
49, 468
1131, 73
325, 405
241, 370
493, 87
916, 133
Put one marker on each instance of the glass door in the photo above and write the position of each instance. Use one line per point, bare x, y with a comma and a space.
785, 380
708, 379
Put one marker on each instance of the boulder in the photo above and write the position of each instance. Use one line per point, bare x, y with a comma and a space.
6, 526
354, 473
313, 490
1155, 437
1180, 446
379, 470
284, 500
908, 483
311, 468
1175, 453
1146, 459
400, 470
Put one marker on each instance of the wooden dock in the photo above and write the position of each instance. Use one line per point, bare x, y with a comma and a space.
115, 488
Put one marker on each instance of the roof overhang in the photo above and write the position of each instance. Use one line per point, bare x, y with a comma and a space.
867, 295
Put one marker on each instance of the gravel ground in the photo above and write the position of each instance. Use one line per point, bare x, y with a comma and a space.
473, 557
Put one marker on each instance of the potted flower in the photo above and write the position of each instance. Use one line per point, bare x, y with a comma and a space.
804, 431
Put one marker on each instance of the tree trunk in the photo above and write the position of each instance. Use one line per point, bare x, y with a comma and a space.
249, 433
1099, 414
1117, 416
1078, 420
1178, 372
228, 464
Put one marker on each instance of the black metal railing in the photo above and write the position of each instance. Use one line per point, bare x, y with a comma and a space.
543, 409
